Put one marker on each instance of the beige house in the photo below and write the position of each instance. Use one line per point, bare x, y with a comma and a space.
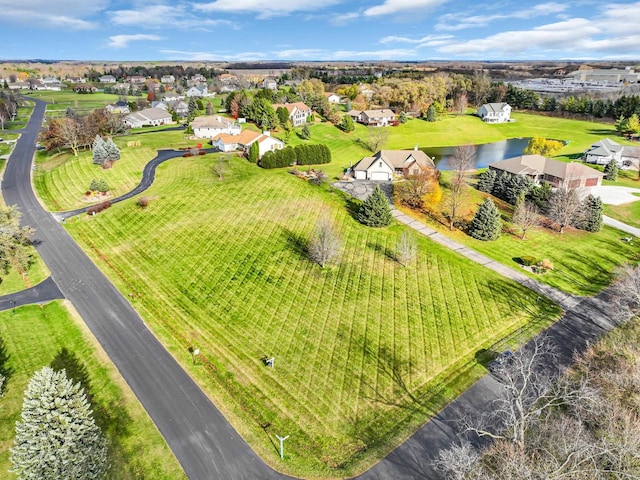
149, 117
373, 118
229, 143
386, 164
545, 170
211, 125
298, 112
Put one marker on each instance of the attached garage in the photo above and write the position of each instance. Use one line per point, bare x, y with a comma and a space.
380, 176
592, 182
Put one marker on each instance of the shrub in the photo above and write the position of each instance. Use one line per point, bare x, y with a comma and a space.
546, 264
98, 208
143, 202
528, 260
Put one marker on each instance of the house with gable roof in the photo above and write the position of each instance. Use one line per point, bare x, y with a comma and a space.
545, 170
495, 112
228, 143
209, 126
298, 112
373, 118
605, 150
386, 164
148, 117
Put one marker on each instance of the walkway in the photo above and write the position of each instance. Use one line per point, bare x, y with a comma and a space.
563, 299
621, 226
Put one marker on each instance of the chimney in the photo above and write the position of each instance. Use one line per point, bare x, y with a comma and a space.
415, 147
267, 133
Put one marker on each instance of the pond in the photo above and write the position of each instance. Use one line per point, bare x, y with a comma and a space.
487, 153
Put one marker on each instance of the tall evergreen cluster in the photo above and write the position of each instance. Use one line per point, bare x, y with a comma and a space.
375, 210
486, 224
104, 151
299, 155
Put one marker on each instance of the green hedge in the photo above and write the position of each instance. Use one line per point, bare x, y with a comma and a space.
300, 155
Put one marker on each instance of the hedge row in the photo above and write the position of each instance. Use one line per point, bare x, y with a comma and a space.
299, 155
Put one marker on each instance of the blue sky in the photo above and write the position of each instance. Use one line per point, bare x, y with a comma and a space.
234, 30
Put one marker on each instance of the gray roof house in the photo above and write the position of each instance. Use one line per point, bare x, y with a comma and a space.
495, 112
545, 170
385, 164
605, 150
148, 117
373, 118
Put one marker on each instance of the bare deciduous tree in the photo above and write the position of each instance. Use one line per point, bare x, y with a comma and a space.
565, 207
325, 244
406, 249
219, 167
461, 162
626, 292
376, 138
526, 217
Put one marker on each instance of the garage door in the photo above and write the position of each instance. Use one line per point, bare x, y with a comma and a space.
380, 176
591, 182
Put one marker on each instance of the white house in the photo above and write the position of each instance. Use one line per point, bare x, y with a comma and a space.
168, 79
373, 118
228, 143
149, 117
387, 163
270, 83
605, 150
495, 112
211, 125
332, 97
298, 112
197, 91
107, 79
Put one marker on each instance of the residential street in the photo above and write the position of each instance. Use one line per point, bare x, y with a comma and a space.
204, 442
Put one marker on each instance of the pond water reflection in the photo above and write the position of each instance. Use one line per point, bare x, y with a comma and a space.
487, 153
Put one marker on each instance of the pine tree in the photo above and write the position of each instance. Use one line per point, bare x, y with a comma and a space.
56, 436
254, 152
113, 152
375, 210
94, 186
486, 224
402, 118
102, 185
592, 215
100, 153
486, 180
305, 134
432, 113
347, 124
611, 170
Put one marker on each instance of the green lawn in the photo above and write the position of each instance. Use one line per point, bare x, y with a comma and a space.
58, 102
584, 262
628, 213
365, 351
15, 281
61, 180
33, 336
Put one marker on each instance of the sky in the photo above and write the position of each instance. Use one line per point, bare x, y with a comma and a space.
288, 30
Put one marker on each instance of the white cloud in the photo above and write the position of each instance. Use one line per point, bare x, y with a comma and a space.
301, 53
391, 7
62, 14
454, 21
121, 41
264, 9
426, 40
165, 16
391, 54
211, 56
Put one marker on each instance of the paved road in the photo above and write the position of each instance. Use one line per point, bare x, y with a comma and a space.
621, 226
44, 292
204, 442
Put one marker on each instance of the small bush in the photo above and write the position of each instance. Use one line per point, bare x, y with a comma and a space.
528, 261
98, 208
546, 264
202, 152
188, 154
143, 202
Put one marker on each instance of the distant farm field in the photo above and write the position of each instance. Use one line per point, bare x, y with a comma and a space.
365, 351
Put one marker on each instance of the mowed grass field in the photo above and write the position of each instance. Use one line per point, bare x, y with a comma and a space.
365, 351
32, 337
61, 180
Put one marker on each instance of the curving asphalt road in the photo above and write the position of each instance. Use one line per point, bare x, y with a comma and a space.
203, 441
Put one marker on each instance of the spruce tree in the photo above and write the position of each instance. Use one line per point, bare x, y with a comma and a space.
486, 180
305, 134
113, 152
486, 224
100, 153
375, 210
611, 170
347, 124
56, 436
254, 152
432, 113
592, 214
94, 186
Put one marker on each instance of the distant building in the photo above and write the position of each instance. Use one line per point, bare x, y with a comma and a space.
107, 79
495, 112
211, 125
170, 79
605, 150
149, 117
298, 112
616, 75
373, 118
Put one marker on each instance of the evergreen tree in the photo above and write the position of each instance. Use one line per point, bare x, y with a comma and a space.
592, 215
103, 186
402, 118
540, 196
347, 124
193, 107
486, 224
254, 152
486, 180
432, 113
56, 436
375, 210
305, 134
94, 185
611, 170
209, 110
283, 115
113, 152
99, 151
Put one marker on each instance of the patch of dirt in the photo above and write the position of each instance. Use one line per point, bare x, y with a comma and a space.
98, 197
